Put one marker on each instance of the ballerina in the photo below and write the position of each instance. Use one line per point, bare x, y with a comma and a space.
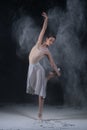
36, 79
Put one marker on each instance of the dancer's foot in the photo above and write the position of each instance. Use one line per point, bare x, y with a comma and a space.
53, 74
40, 116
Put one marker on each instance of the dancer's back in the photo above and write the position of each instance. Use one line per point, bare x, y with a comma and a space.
36, 54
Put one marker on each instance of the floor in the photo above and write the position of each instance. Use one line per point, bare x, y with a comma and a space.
24, 117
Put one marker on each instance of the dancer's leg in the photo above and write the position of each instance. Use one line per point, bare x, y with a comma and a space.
51, 75
41, 103
41, 99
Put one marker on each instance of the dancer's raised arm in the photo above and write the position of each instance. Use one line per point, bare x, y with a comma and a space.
40, 38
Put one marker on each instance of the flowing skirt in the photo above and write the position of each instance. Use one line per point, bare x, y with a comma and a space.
36, 80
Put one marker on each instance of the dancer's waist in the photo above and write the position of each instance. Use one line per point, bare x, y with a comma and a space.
34, 63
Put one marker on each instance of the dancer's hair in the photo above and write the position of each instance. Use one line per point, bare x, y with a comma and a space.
51, 35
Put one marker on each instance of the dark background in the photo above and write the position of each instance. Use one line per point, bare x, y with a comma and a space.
13, 70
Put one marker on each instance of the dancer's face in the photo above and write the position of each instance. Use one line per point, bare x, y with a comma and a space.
50, 40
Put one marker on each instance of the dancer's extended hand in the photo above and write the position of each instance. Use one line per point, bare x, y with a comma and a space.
44, 15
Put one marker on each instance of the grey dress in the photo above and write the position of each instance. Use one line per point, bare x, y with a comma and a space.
36, 80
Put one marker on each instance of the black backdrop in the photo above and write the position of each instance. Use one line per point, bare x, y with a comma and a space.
13, 70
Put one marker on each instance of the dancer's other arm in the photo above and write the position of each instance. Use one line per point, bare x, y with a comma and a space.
52, 63
41, 35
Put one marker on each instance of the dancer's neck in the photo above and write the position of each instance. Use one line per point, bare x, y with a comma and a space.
44, 44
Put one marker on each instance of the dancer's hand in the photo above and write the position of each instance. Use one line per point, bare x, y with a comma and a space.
59, 73
44, 15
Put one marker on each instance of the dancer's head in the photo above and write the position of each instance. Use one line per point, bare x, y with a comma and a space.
50, 39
